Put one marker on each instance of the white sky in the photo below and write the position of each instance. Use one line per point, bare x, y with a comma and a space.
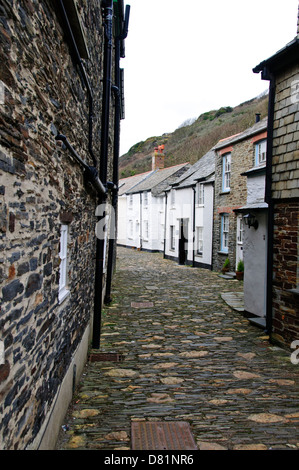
186, 57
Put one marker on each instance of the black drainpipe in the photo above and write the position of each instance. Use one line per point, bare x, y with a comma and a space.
165, 221
193, 242
90, 171
117, 118
98, 298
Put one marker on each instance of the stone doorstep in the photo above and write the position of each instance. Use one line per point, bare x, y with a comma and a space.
258, 321
166, 435
235, 300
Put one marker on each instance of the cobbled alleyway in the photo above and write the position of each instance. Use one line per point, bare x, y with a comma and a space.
186, 356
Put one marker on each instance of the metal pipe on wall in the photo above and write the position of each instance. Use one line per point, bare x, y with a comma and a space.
100, 244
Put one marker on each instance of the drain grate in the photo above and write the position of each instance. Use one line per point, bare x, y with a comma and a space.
104, 357
172, 435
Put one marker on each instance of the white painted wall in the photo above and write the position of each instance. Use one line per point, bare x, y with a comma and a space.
144, 223
255, 189
122, 220
183, 209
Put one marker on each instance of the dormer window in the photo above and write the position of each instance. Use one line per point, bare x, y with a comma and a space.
260, 152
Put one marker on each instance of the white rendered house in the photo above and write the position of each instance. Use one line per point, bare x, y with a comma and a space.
189, 215
141, 215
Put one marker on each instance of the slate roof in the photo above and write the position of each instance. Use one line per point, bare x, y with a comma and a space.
125, 184
157, 181
255, 129
203, 169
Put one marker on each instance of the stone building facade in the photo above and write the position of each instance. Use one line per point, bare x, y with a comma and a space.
56, 156
234, 155
282, 194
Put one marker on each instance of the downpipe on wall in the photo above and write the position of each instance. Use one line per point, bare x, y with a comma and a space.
107, 6
117, 118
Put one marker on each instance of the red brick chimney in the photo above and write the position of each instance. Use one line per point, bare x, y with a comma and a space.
158, 158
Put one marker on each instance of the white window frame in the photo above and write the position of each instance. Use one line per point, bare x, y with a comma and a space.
226, 172
63, 254
130, 229
172, 237
146, 232
260, 152
172, 198
224, 232
240, 230
200, 194
145, 198
199, 241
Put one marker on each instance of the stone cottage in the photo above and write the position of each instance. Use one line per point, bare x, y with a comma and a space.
282, 194
234, 156
59, 132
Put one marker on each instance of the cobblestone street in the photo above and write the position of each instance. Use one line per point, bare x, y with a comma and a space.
184, 355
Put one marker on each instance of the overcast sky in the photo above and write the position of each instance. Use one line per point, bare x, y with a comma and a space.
186, 57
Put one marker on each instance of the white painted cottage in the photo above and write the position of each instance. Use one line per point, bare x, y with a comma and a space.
189, 215
141, 212
125, 184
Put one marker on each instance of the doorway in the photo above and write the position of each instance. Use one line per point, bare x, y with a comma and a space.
183, 241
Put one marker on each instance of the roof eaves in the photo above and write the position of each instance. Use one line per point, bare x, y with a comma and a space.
278, 61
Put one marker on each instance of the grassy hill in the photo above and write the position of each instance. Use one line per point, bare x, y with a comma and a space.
192, 140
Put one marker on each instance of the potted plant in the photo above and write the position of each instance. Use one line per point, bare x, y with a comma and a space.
240, 270
226, 266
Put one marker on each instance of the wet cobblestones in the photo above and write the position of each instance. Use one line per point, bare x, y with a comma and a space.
187, 356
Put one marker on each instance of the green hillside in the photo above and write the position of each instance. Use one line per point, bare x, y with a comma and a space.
192, 140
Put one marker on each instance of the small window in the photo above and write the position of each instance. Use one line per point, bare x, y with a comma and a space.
172, 238
226, 170
131, 200
200, 194
146, 230
130, 228
224, 232
260, 152
172, 197
63, 291
199, 240
145, 198
240, 230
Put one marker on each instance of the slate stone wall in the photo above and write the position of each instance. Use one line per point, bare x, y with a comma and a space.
42, 187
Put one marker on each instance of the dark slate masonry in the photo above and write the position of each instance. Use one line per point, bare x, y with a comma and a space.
41, 188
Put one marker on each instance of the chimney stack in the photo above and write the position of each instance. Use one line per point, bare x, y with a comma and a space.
158, 158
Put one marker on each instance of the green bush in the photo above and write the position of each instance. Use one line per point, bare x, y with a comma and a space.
240, 266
